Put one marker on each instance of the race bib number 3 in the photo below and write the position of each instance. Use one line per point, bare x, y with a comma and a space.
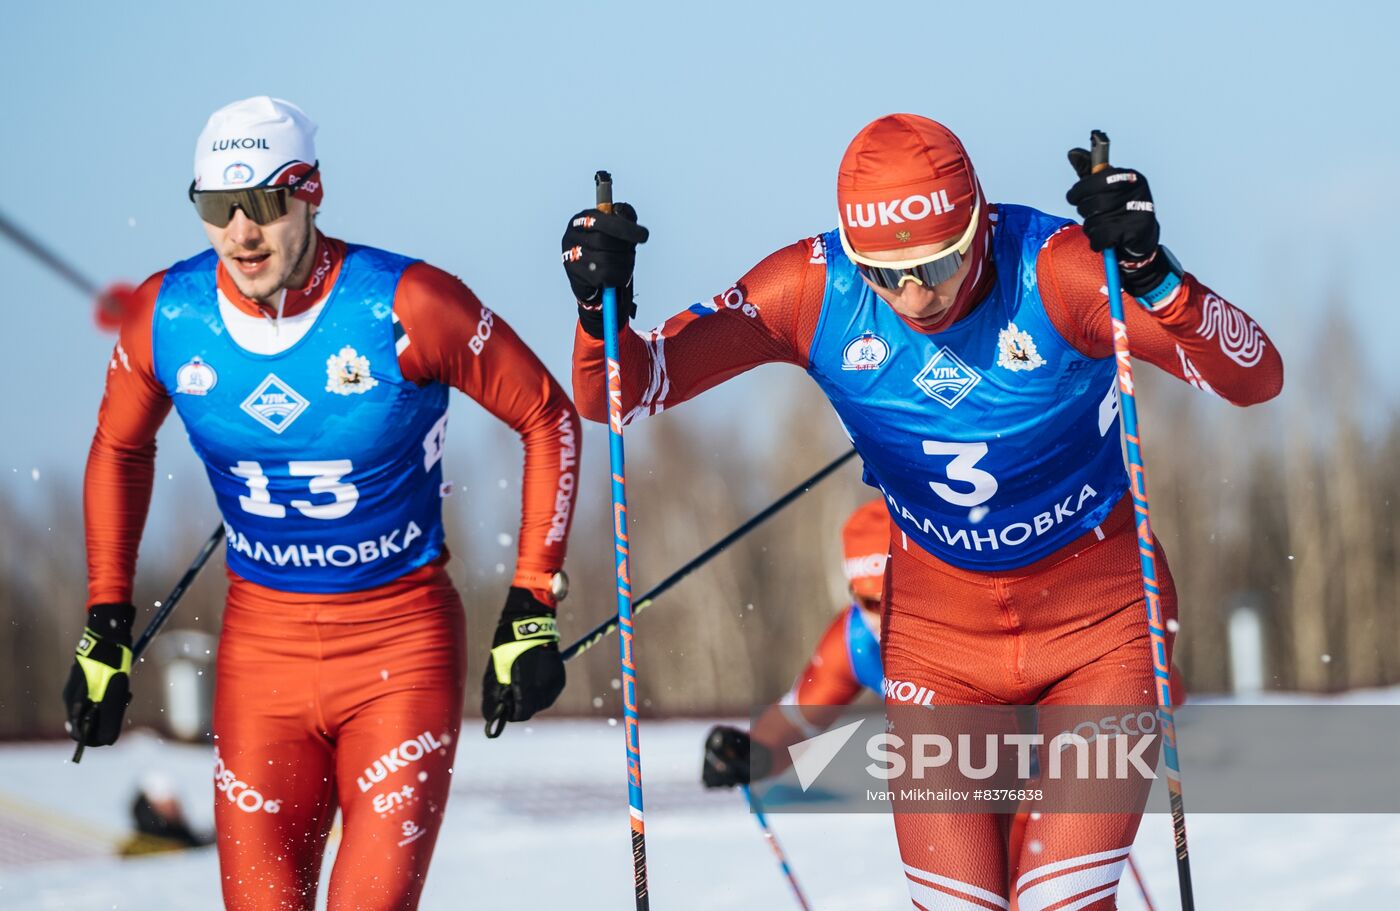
962, 469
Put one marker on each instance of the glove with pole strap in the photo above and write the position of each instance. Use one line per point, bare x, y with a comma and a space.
99, 684
1117, 209
525, 674
600, 250
733, 758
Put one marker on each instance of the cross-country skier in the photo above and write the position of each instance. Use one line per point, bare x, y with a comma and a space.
312, 378
966, 348
846, 662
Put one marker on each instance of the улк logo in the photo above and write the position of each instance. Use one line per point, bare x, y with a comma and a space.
274, 404
946, 379
865, 352
195, 377
347, 373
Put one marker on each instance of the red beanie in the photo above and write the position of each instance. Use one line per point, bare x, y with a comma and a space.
905, 181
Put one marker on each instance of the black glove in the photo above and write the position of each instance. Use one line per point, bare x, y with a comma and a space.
1116, 206
732, 758
525, 674
99, 685
600, 251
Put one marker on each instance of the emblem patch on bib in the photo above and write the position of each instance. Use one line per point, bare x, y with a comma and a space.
193, 378
1016, 350
865, 352
347, 373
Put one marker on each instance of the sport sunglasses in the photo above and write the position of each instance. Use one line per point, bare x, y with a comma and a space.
262, 204
928, 271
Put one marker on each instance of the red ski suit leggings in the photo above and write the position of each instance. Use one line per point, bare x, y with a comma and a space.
325, 701
1068, 630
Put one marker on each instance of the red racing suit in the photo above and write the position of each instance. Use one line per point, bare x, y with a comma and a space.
350, 700
827, 684
1068, 629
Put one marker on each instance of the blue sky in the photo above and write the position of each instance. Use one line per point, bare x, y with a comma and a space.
467, 136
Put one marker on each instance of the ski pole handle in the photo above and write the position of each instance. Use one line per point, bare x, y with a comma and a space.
602, 184
1098, 151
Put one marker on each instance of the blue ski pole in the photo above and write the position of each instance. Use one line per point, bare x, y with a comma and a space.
777, 848
630, 723
1161, 666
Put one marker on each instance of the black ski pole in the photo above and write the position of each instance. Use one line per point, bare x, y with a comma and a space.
166, 607
110, 303
61, 267
607, 626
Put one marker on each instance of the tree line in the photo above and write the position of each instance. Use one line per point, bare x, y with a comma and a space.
1285, 509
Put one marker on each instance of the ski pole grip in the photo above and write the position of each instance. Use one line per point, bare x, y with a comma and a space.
1098, 151
603, 182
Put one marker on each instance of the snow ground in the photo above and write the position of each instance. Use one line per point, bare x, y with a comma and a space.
58, 823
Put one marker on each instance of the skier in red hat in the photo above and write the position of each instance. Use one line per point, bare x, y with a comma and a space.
966, 347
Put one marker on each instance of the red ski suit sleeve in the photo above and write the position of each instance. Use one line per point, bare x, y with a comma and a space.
1195, 335
452, 339
771, 314
121, 463
824, 687
768, 315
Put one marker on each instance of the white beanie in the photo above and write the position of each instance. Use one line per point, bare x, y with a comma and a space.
254, 142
